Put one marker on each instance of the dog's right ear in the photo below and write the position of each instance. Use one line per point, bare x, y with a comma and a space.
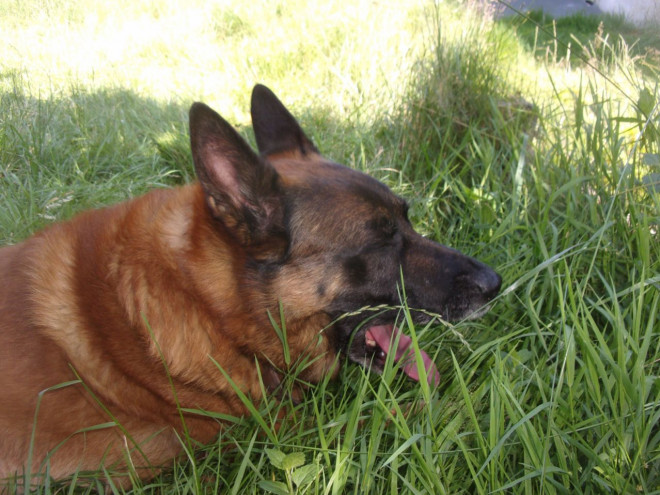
275, 129
242, 190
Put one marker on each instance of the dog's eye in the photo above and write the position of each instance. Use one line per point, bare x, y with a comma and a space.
386, 226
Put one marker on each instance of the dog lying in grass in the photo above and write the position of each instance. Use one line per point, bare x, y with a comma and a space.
116, 324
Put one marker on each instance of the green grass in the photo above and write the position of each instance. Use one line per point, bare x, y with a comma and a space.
579, 38
545, 169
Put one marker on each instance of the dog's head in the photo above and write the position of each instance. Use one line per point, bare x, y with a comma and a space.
324, 240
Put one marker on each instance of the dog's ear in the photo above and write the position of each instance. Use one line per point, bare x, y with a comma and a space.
242, 190
275, 129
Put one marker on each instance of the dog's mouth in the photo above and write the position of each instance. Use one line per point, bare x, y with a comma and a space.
381, 341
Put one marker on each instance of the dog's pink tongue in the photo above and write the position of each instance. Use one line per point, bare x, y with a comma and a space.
386, 335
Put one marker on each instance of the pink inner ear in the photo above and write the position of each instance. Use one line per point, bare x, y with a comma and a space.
222, 174
386, 335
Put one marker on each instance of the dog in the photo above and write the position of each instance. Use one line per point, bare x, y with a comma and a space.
117, 325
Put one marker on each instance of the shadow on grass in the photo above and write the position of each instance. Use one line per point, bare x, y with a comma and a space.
86, 149
582, 37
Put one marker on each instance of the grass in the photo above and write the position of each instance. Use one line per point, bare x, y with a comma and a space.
580, 37
545, 167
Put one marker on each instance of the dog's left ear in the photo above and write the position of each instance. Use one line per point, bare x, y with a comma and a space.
275, 129
242, 190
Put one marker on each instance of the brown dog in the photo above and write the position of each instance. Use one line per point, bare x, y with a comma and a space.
115, 323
